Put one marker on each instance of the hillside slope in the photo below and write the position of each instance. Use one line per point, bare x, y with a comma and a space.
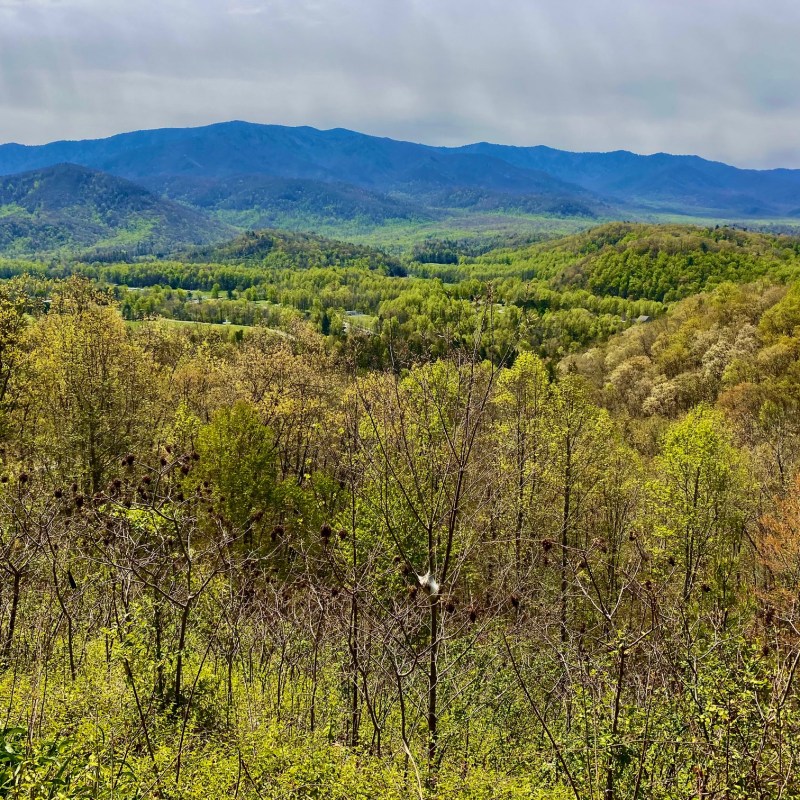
274, 248
738, 346
79, 209
263, 201
652, 262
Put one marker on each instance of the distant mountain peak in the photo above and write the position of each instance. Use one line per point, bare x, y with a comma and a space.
538, 178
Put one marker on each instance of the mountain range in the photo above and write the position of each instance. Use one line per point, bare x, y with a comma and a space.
196, 182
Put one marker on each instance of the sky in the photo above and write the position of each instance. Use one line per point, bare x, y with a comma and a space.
719, 78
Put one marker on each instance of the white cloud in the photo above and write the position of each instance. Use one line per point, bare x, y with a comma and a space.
707, 76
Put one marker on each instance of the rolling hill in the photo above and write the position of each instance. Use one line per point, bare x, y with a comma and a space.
275, 248
72, 208
662, 263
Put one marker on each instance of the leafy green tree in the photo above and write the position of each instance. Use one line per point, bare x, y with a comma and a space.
523, 409
237, 455
88, 390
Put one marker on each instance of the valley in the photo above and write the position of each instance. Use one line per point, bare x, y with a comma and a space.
337, 466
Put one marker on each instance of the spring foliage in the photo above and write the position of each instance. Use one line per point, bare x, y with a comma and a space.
254, 567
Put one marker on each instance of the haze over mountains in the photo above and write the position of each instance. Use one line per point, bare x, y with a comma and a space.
267, 175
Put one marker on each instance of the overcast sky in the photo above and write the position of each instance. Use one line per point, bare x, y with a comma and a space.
720, 78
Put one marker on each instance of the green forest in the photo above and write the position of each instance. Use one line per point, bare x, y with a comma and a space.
289, 517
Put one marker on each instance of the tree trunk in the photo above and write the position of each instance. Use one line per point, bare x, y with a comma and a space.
12, 616
433, 682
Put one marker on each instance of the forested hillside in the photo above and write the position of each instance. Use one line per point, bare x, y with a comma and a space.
77, 210
656, 262
274, 249
736, 346
554, 297
354, 292
256, 201
521, 525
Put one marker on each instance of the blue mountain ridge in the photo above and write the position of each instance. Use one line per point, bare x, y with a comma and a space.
482, 174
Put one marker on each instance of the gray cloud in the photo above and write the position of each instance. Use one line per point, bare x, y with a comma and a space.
713, 77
